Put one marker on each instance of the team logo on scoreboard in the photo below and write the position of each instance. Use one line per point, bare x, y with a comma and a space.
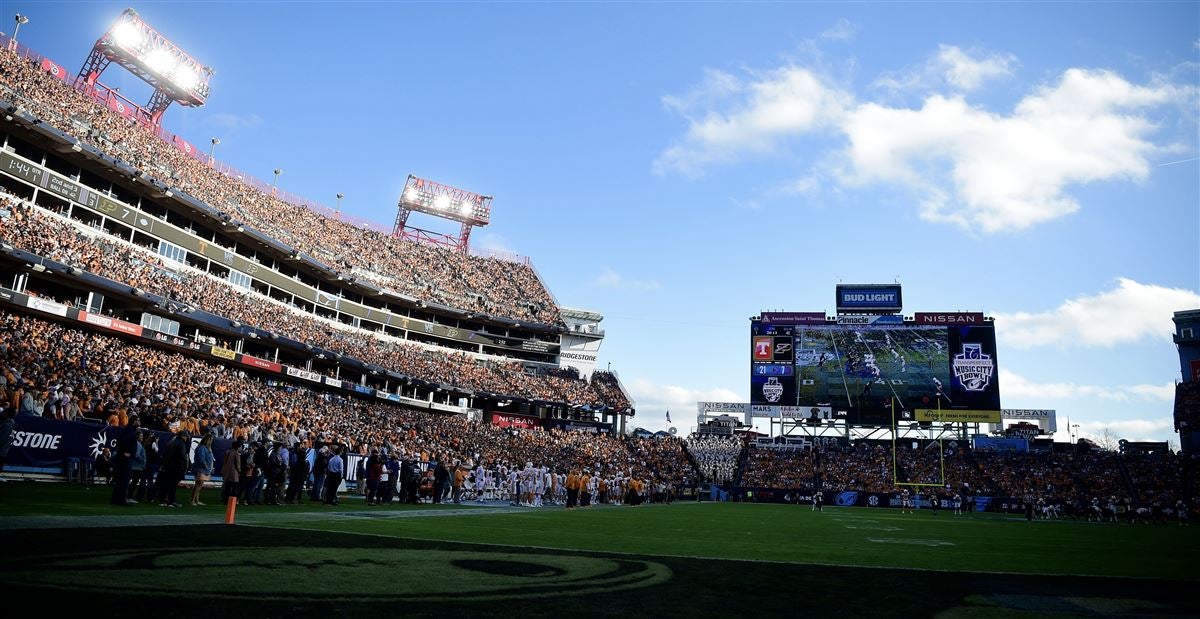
772, 390
973, 368
783, 349
762, 349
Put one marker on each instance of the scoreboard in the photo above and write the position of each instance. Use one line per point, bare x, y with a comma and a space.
938, 366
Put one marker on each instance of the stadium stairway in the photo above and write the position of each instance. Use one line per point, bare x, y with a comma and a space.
743, 459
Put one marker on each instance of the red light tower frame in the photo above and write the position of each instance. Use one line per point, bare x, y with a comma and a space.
133, 44
445, 202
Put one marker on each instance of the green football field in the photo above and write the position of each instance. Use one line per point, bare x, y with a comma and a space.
65, 546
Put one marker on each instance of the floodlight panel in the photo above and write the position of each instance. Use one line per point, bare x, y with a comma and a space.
133, 44
127, 35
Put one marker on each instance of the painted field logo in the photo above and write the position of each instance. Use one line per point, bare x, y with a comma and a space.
257, 573
973, 368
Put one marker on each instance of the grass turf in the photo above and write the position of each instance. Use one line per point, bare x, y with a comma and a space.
669, 560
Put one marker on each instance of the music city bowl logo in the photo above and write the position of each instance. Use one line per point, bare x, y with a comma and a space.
772, 390
972, 368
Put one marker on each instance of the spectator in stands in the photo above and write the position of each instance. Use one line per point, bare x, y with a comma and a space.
231, 471
126, 450
202, 467
174, 466
333, 475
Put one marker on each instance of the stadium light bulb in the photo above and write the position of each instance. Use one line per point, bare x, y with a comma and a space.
127, 35
465, 209
442, 202
411, 194
160, 61
186, 78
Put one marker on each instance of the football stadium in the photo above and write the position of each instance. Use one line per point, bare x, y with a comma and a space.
224, 399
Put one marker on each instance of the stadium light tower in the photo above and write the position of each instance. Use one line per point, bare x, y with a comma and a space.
425, 196
337, 211
133, 44
21, 20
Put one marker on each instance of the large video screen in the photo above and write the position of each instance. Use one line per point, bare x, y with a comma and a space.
860, 369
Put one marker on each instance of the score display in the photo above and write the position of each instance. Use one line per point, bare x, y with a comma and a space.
859, 370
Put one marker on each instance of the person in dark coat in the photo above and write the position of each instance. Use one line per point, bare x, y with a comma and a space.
441, 479
126, 448
408, 473
146, 486
231, 472
320, 463
298, 473
174, 467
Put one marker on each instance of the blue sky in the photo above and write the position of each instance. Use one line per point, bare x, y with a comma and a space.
680, 167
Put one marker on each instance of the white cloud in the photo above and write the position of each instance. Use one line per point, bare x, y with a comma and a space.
1128, 313
728, 116
611, 279
952, 67
654, 400
967, 73
1016, 386
977, 168
1008, 172
1157, 429
842, 30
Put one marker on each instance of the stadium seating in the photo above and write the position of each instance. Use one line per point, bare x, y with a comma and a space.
37, 231
474, 283
54, 371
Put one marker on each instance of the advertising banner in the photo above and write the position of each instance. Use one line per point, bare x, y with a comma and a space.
503, 420
53, 69
737, 408
869, 297
49, 307
1001, 444
261, 364
843, 319
110, 323
50, 443
957, 415
223, 353
793, 318
948, 318
1047, 419
304, 374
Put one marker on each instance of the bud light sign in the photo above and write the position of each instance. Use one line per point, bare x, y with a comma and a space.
868, 297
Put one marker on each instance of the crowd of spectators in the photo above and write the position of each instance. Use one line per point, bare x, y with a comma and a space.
665, 456
716, 457
53, 371
486, 285
34, 230
1074, 480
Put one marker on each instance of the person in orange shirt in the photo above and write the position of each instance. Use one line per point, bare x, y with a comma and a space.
572, 489
585, 489
460, 477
